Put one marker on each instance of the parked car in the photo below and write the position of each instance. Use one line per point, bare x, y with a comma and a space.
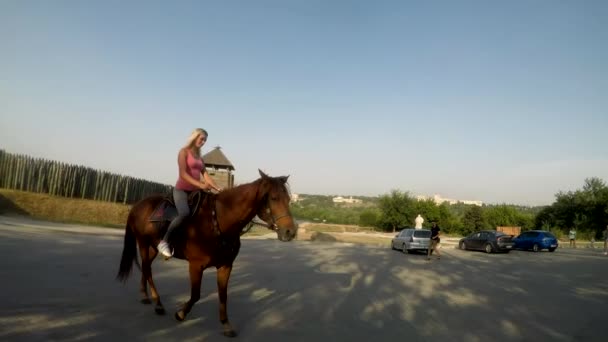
536, 240
410, 240
489, 241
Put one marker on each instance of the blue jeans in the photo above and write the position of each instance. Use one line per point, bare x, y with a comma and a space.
180, 197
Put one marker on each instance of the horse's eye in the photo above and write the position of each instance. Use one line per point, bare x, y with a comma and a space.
273, 198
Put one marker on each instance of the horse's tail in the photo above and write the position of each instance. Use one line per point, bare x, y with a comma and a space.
129, 254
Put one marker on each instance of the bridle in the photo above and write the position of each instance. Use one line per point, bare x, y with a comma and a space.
273, 225
273, 219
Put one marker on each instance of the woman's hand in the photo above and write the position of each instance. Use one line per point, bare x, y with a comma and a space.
204, 186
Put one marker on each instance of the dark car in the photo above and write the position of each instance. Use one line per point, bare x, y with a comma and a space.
487, 240
536, 240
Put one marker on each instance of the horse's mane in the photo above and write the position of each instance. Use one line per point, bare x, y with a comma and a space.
234, 197
239, 189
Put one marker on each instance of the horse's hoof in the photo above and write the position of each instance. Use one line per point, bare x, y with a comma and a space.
230, 333
159, 310
180, 316
146, 301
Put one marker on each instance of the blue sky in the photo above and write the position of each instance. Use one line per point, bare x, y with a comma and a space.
499, 101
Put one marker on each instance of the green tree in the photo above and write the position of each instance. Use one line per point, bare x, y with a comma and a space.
322, 208
369, 218
525, 220
427, 209
448, 222
501, 215
585, 209
397, 210
473, 220
544, 219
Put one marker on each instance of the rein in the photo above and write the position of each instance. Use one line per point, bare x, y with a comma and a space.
272, 226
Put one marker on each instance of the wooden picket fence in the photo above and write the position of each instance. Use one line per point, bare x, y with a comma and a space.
20, 172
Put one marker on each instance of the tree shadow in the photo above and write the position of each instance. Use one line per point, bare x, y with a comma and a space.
8, 207
64, 289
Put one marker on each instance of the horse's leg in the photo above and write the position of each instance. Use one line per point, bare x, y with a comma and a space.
196, 276
143, 289
146, 268
143, 286
223, 275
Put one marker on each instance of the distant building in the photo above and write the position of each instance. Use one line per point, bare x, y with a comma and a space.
219, 168
341, 199
477, 203
438, 200
295, 198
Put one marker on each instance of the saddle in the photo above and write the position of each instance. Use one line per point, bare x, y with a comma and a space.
166, 211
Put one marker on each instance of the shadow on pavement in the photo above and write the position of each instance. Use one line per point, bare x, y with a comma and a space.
63, 288
8, 207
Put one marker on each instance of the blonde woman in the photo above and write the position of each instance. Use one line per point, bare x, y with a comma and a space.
191, 166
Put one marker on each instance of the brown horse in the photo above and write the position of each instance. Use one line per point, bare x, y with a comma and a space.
209, 238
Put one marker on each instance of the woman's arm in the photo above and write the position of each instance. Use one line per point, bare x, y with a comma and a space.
183, 173
210, 181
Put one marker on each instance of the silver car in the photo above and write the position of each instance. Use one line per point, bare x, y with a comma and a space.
411, 240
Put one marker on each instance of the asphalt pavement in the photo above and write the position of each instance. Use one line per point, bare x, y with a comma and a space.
58, 285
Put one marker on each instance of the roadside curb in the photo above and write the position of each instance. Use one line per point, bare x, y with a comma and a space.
18, 222
59, 227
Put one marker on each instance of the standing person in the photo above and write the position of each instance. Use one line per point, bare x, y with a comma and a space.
572, 237
605, 238
435, 232
191, 166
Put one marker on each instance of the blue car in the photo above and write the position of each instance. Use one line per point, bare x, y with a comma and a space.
536, 240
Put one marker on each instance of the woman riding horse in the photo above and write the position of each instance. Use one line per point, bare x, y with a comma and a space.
209, 238
190, 166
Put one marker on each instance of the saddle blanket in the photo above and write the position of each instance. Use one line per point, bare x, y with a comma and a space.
165, 211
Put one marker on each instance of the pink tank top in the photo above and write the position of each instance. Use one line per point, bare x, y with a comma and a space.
194, 167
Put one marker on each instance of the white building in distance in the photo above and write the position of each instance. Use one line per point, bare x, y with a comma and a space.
341, 199
438, 200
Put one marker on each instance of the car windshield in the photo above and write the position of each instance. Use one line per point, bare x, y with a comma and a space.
547, 234
500, 234
422, 233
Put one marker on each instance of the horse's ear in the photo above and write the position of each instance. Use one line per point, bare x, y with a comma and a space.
262, 174
283, 179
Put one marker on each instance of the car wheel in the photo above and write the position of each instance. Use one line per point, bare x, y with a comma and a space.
488, 248
535, 248
551, 249
463, 246
392, 245
403, 248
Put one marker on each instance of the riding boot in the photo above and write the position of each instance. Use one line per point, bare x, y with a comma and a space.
163, 246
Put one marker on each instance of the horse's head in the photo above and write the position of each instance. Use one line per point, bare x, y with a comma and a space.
275, 206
